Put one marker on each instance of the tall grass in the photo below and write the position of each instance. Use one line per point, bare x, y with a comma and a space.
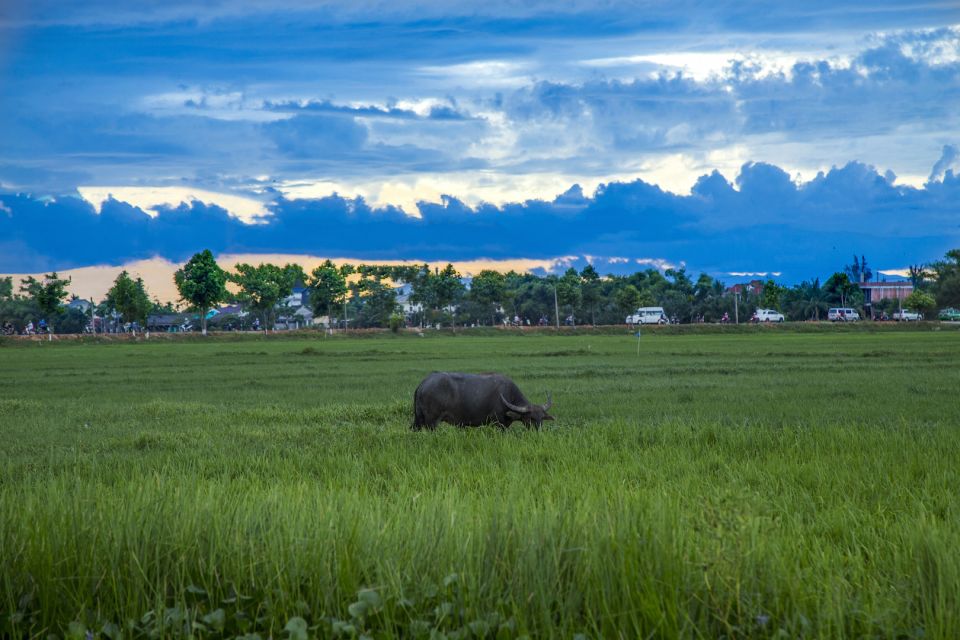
737, 486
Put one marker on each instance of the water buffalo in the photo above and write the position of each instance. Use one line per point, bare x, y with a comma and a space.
471, 400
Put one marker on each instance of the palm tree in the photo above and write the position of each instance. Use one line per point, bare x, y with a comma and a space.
813, 299
918, 275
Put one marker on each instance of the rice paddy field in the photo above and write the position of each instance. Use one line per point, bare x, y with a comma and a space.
745, 484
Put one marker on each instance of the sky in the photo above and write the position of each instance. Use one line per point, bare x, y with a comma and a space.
742, 139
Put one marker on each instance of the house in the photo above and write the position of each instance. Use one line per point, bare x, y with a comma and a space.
229, 317
407, 308
80, 304
303, 317
298, 298
874, 292
754, 287
299, 319
232, 310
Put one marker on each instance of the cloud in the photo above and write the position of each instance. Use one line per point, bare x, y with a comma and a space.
947, 161
384, 101
657, 263
151, 200
900, 273
478, 117
767, 223
572, 16
308, 136
754, 274
871, 96
425, 110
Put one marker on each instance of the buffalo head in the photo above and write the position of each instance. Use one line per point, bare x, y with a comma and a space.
531, 415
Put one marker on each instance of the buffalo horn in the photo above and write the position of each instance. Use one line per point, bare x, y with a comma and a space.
514, 407
549, 404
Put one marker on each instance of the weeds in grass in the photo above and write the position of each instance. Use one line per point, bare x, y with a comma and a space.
714, 486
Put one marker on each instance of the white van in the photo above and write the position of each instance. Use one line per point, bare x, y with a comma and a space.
768, 315
648, 315
842, 314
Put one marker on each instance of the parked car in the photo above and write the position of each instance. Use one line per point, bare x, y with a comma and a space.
648, 315
842, 314
768, 315
950, 314
907, 316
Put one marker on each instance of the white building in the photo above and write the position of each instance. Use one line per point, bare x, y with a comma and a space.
407, 308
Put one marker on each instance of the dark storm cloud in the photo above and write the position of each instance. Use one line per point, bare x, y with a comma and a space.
766, 223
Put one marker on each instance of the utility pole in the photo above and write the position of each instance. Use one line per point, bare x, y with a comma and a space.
556, 307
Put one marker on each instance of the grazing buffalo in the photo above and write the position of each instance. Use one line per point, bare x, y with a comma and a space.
471, 400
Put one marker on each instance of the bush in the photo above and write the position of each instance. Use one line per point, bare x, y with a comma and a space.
396, 322
922, 302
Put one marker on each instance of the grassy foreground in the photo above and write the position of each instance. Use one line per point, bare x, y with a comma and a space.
745, 485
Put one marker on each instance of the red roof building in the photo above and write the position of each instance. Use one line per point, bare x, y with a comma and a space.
874, 292
754, 286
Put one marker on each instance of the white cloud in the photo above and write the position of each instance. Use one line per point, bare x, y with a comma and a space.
482, 73
932, 46
901, 273
754, 274
704, 66
149, 199
656, 263
217, 103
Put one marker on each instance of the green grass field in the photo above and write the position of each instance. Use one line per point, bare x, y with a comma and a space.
759, 484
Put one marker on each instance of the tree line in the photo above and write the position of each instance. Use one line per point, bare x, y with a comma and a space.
365, 295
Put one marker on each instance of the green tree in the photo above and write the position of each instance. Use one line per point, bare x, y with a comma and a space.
678, 280
487, 289
129, 297
839, 288
772, 295
709, 301
805, 301
922, 302
448, 287
434, 289
48, 294
6, 288
202, 284
533, 296
627, 299
263, 287
568, 289
511, 291
859, 270
865, 271
919, 275
328, 287
591, 290
946, 282
162, 307
379, 301
677, 305
677, 295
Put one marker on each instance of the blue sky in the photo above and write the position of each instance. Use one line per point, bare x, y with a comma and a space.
733, 137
